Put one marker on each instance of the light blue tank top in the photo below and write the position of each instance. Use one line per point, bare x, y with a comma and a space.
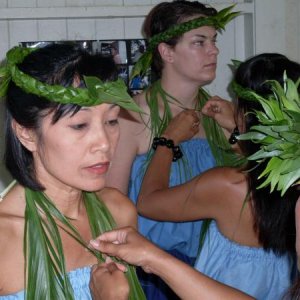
259, 273
80, 280
182, 237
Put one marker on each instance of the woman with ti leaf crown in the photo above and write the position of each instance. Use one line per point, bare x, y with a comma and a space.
62, 107
182, 53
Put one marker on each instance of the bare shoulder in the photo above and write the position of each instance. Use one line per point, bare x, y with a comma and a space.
133, 120
225, 176
134, 140
13, 203
220, 187
12, 210
12, 222
112, 196
120, 206
134, 128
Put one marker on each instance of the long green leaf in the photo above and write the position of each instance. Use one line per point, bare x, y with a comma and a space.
46, 276
43, 275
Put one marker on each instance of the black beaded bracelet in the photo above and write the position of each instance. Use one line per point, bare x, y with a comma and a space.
162, 141
233, 137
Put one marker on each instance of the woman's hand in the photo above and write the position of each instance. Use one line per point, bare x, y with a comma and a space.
183, 126
128, 245
108, 282
222, 111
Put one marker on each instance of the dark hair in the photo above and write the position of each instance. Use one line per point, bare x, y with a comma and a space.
273, 215
167, 14
294, 292
57, 64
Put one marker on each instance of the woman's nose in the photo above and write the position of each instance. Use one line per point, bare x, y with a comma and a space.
101, 141
214, 49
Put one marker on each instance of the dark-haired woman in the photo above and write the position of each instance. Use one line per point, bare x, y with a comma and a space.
250, 242
61, 132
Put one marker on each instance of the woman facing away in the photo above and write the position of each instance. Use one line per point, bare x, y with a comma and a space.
184, 60
252, 236
61, 133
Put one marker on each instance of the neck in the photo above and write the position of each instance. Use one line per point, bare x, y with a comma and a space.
68, 201
185, 92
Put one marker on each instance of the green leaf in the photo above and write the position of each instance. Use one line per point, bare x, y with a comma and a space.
291, 166
263, 154
45, 263
44, 275
286, 180
278, 133
236, 63
142, 65
252, 135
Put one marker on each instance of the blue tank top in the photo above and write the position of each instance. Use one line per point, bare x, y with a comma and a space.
181, 237
80, 280
260, 274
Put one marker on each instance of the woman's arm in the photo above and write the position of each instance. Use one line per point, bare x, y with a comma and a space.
202, 197
128, 245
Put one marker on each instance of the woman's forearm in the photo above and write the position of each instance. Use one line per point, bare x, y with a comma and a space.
188, 283
128, 245
158, 171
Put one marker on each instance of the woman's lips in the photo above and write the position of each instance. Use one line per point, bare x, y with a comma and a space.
212, 65
99, 168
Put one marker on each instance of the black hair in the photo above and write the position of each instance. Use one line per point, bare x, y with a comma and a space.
57, 63
273, 215
167, 14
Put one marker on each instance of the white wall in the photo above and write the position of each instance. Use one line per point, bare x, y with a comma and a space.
264, 26
278, 27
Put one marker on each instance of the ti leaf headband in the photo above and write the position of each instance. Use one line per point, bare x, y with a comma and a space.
218, 21
278, 133
97, 92
244, 93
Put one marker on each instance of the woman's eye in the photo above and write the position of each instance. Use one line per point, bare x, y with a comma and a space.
113, 122
199, 43
79, 126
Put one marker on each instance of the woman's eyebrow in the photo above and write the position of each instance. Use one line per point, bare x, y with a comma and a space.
205, 36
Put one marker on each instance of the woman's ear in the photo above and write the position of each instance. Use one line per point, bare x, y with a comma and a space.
26, 136
76, 80
166, 52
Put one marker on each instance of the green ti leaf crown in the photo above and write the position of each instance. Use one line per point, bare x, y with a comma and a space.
278, 133
95, 93
218, 21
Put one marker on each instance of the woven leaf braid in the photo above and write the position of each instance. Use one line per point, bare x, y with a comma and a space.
218, 21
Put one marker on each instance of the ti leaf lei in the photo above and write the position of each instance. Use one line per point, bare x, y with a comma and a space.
278, 133
219, 145
46, 276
